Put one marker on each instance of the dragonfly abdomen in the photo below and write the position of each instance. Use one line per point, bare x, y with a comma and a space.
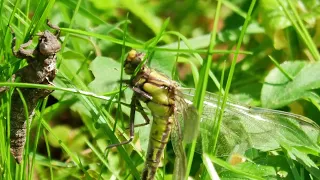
18, 123
159, 137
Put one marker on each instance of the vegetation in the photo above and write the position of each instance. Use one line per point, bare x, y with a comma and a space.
260, 53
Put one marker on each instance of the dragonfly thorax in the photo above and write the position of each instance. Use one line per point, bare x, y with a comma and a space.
154, 86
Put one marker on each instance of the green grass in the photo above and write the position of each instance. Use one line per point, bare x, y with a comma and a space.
211, 43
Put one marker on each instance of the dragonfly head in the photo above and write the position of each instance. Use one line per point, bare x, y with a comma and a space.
133, 60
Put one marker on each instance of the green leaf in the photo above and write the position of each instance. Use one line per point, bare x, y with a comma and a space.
107, 74
297, 154
105, 5
244, 170
144, 13
163, 61
279, 91
77, 64
70, 136
252, 168
274, 22
277, 161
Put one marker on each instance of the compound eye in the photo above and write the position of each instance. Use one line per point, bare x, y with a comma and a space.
132, 55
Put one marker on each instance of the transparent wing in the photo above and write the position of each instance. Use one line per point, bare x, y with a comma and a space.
186, 118
180, 165
189, 118
245, 127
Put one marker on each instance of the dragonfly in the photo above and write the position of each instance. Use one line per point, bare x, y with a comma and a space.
243, 127
164, 100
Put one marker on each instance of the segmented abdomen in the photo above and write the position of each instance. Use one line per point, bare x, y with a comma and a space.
18, 123
159, 136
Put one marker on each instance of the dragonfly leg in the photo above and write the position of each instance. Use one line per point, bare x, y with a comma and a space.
142, 93
144, 115
140, 109
137, 90
54, 27
22, 52
131, 127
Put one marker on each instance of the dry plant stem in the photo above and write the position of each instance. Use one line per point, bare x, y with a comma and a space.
41, 69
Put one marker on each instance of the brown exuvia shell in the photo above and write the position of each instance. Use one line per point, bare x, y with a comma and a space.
41, 69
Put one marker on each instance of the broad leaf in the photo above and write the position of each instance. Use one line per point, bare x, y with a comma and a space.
107, 74
279, 91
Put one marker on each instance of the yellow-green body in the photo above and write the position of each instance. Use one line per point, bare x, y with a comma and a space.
162, 106
164, 100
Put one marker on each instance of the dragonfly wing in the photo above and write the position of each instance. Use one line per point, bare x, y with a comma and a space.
190, 118
180, 165
186, 118
245, 127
